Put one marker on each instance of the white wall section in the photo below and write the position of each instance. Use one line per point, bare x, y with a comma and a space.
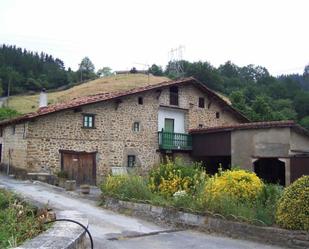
177, 115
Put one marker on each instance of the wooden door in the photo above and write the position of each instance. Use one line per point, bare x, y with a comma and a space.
86, 169
80, 167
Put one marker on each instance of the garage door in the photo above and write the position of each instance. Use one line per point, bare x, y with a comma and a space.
80, 166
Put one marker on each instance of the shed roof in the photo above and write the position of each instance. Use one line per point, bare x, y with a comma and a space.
252, 125
91, 99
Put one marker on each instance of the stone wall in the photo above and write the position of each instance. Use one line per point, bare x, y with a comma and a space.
188, 99
14, 145
272, 235
113, 137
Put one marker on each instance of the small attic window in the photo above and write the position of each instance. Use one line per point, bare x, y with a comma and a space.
140, 100
201, 102
217, 114
174, 95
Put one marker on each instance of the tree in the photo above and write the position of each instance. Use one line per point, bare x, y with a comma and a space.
301, 103
156, 70
229, 70
253, 73
105, 71
86, 69
133, 70
306, 71
261, 109
305, 122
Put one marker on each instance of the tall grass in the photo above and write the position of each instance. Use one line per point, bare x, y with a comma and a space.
260, 210
18, 221
126, 187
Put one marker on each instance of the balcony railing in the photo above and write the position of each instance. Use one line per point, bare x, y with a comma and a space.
174, 141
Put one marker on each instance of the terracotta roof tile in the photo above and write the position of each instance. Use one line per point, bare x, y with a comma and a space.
252, 125
86, 100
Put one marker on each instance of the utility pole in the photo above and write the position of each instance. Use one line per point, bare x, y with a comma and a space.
175, 59
9, 86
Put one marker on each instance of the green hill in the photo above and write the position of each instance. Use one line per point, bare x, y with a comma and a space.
29, 103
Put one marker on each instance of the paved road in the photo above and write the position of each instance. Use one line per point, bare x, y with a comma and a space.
106, 225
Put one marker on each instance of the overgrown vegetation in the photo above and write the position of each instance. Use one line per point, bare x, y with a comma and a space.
235, 194
7, 113
18, 221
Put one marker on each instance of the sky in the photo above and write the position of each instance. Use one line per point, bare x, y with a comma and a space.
125, 34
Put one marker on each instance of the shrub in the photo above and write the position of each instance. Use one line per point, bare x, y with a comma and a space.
167, 179
261, 210
293, 206
63, 174
236, 184
126, 187
266, 203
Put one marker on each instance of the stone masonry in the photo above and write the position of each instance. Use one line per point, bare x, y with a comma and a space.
36, 143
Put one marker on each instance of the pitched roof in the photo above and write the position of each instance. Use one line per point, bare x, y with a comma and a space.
91, 99
253, 125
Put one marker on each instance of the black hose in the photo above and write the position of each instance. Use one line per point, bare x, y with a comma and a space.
76, 222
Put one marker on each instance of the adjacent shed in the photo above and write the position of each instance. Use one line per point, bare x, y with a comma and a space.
276, 151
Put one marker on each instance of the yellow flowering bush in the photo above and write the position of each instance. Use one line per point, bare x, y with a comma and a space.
112, 184
239, 185
174, 176
293, 207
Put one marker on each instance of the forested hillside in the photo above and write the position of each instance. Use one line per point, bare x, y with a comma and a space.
22, 71
252, 89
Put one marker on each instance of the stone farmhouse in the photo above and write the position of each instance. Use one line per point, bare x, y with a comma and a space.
90, 137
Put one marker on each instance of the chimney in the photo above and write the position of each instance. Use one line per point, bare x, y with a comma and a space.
43, 98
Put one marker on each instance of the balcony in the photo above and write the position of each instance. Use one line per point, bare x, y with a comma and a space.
174, 141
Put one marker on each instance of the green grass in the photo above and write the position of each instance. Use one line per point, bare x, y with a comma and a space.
18, 221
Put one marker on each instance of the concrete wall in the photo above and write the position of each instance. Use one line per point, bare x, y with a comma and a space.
299, 142
248, 144
177, 115
62, 235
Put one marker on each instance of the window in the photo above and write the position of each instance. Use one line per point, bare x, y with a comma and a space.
140, 100
200, 126
13, 129
217, 114
136, 126
88, 121
201, 102
131, 161
1, 131
174, 95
